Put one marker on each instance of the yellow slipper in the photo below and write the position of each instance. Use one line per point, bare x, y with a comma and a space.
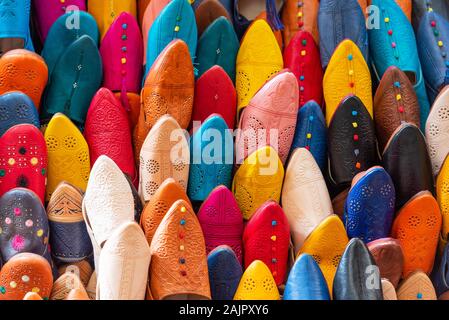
257, 283
258, 180
326, 245
347, 74
443, 198
68, 154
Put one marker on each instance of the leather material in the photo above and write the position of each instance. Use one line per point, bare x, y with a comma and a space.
306, 281
263, 286
24, 71
259, 58
306, 67
277, 33
210, 168
63, 285
351, 141
17, 108
206, 13
158, 161
300, 16
25, 224
346, 74
106, 12
406, 160
270, 114
227, 4
218, 45
124, 263
31, 267
387, 253
352, 276
369, 209
77, 294
225, 272
32, 296
60, 38
389, 292
47, 12
176, 21
168, 193
338, 21
267, 238
222, 222
107, 204
419, 8
152, 11
258, 180
305, 198
138, 205
23, 155
395, 102
122, 56
417, 286
339, 201
14, 23
442, 188
68, 154
69, 240
169, 88
82, 269
134, 107
311, 133
432, 36
178, 266
326, 244
215, 93
417, 226
393, 43
76, 77
406, 7
107, 132
440, 275
437, 126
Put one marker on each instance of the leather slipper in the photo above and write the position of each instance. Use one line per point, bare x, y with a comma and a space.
23, 155
388, 290
351, 140
395, 102
159, 161
259, 58
25, 71
107, 132
107, 204
64, 284
300, 16
32, 296
406, 160
420, 8
270, 115
69, 240
257, 283
218, 45
215, 93
25, 272
82, 269
417, 227
258, 180
168, 193
440, 274
221, 221
305, 198
442, 188
306, 66
14, 25
210, 169
267, 238
124, 263
225, 272
168, 89
346, 74
369, 209
68, 154
387, 253
357, 278
178, 269
207, 12
306, 281
417, 286
17, 108
326, 244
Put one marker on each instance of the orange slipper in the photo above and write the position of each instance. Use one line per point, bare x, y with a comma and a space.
417, 227
32, 296
25, 71
77, 294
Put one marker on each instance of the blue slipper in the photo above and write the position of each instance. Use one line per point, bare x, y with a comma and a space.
440, 274
17, 108
15, 21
